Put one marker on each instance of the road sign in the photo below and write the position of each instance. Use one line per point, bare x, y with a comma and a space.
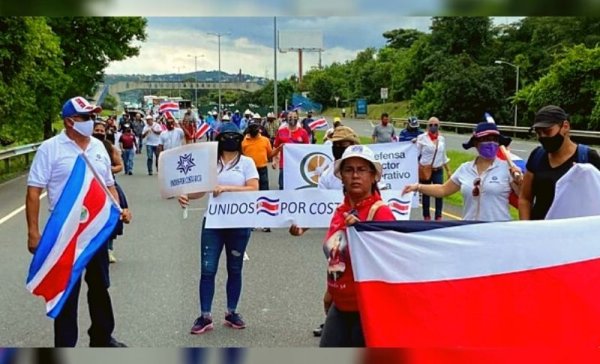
384, 93
361, 107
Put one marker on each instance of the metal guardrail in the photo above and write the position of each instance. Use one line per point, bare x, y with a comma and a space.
505, 128
26, 150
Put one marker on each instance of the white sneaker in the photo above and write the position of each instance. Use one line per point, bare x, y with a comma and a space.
111, 257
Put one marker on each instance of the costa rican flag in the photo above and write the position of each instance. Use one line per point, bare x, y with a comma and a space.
168, 106
399, 207
471, 284
83, 219
265, 205
203, 128
318, 124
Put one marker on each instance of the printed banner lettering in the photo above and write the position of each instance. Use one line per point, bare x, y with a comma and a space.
186, 169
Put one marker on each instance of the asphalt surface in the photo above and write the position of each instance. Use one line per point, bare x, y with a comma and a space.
155, 281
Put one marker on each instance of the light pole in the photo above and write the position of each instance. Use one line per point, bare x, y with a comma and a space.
196, 77
219, 35
516, 83
178, 78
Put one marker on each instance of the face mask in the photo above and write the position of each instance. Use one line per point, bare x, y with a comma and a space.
488, 150
553, 143
293, 122
337, 151
170, 126
433, 128
230, 145
85, 128
99, 136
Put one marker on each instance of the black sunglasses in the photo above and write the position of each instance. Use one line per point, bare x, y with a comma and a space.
476, 184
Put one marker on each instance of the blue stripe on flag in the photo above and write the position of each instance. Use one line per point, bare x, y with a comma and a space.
58, 216
410, 226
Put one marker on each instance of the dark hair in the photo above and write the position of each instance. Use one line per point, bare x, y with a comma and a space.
385, 114
220, 153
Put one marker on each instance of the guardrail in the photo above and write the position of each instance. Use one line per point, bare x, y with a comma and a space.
25, 150
505, 128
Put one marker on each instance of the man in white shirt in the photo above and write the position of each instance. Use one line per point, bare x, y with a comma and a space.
171, 138
151, 133
50, 170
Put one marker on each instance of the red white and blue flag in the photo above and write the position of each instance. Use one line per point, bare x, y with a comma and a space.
478, 285
318, 124
81, 222
202, 129
269, 206
168, 106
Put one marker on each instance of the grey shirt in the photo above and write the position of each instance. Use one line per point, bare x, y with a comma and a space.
384, 134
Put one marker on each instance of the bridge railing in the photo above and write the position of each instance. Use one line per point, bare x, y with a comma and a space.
23, 150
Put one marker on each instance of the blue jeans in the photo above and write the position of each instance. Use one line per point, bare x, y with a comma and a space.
437, 177
128, 160
151, 152
212, 242
100, 306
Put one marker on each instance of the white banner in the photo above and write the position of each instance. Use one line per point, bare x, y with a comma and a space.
304, 163
186, 169
311, 208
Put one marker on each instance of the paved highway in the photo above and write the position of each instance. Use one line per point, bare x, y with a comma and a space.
155, 281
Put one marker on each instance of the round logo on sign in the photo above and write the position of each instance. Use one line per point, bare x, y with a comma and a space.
311, 167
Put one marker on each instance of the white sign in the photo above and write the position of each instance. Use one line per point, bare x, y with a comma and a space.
279, 209
384, 93
304, 164
187, 169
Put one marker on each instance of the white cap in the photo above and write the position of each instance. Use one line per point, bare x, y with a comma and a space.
225, 118
359, 151
247, 112
270, 115
256, 116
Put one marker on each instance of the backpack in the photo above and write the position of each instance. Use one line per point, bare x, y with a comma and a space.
539, 153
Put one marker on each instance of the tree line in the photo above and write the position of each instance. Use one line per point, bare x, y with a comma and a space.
47, 60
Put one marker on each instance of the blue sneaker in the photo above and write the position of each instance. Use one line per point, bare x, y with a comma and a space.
202, 325
234, 320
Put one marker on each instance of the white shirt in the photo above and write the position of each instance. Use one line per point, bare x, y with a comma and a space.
328, 180
237, 175
494, 189
152, 138
427, 149
54, 161
170, 139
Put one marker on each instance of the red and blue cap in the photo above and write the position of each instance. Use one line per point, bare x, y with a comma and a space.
79, 106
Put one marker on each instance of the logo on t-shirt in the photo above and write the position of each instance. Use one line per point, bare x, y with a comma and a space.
334, 249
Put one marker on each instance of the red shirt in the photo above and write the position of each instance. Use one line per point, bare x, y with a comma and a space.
190, 131
285, 135
340, 278
127, 139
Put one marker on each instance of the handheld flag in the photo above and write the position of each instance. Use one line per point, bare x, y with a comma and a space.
168, 106
202, 130
478, 285
318, 124
83, 219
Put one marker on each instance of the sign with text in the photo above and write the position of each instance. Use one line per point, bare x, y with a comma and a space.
280, 209
304, 164
384, 93
361, 107
187, 169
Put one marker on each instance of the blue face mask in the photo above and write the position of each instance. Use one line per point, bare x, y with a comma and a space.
433, 128
488, 150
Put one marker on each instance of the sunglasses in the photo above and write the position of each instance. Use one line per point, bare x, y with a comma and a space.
476, 187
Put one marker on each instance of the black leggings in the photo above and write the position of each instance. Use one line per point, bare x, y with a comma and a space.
342, 329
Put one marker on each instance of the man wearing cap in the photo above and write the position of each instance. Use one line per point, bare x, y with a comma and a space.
306, 126
50, 170
152, 132
138, 126
337, 122
171, 138
550, 161
412, 131
271, 125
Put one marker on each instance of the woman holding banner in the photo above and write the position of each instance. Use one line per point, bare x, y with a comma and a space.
236, 173
359, 171
485, 183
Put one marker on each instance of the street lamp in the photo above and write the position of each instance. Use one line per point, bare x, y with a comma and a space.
516, 83
219, 35
196, 78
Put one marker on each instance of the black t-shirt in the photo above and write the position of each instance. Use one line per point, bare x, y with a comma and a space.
545, 178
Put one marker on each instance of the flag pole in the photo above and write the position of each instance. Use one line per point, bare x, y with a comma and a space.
97, 176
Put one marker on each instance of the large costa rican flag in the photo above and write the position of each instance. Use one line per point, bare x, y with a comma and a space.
83, 219
168, 106
475, 285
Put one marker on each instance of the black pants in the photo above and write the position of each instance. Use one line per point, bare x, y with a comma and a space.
263, 178
342, 329
101, 313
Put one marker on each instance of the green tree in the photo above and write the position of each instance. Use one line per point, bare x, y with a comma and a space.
402, 38
110, 103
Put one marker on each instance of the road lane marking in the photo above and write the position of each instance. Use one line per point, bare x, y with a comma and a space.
17, 211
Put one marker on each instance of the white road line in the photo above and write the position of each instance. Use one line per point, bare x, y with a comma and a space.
17, 211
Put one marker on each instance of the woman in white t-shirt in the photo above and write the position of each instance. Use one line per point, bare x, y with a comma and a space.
485, 183
236, 173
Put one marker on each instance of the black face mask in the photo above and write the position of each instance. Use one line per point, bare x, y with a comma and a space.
553, 143
337, 151
230, 145
99, 136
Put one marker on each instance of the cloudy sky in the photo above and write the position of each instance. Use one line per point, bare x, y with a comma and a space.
173, 42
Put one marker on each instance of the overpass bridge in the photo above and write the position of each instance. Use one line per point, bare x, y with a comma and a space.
123, 86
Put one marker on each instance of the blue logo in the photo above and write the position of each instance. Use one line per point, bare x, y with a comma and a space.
185, 164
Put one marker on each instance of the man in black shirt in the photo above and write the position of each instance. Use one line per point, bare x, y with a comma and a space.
548, 163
